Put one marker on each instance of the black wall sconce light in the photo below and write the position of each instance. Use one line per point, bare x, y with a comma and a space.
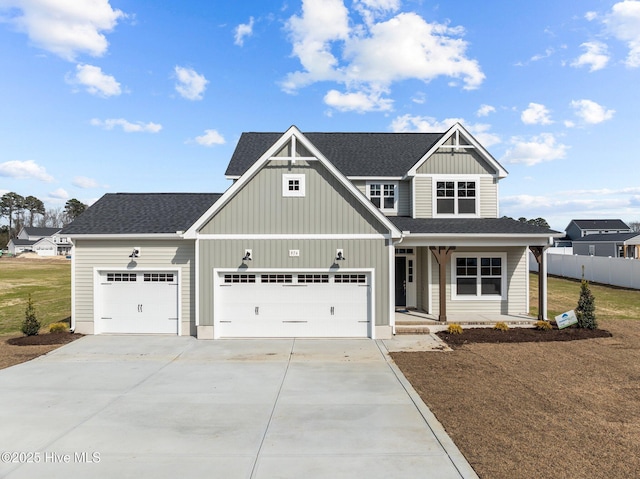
340, 255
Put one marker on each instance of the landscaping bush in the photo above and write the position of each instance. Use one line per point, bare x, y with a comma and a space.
30, 325
586, 310
501, 326
543, 325
454, 329
58, 328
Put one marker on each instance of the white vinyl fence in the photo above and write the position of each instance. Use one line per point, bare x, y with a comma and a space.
614, 271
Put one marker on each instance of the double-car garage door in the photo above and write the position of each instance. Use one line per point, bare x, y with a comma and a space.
292, 304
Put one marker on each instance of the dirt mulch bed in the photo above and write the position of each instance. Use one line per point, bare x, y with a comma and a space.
519, 335
16, 350
561, 409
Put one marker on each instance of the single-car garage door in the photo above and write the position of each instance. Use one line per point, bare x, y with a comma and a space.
293, 305
140, 302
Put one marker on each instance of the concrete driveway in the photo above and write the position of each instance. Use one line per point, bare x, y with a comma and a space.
175, 407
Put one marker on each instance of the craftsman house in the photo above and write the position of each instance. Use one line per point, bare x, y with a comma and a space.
320, 235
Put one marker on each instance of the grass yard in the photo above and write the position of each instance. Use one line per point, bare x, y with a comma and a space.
563, 294
47, 280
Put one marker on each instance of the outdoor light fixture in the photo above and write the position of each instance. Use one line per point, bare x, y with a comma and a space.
247, 255
135, 253
340, 255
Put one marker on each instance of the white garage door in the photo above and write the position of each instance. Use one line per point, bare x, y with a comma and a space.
141, 302
293, 305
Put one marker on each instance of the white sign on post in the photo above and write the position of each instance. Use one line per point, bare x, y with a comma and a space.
566, 319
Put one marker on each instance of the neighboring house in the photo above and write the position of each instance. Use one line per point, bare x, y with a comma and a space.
616, 245
44, 241
18, 246
320, 235
581, 228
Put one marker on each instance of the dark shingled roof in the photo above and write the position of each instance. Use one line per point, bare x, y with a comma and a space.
35, 231
354, 154
467, 226
606, 237
601, 224
142, 213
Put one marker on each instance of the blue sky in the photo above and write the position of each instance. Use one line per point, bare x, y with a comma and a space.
100, 96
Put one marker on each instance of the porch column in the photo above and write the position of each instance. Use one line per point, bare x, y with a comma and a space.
538, 253
442, 255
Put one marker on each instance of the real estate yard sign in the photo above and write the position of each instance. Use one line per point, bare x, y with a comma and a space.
566, 319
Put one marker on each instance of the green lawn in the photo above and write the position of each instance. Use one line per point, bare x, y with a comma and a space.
563, 294
48, 282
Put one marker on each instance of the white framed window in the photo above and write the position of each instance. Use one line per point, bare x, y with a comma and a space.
293, 185
384, 195
479, 276
456, 197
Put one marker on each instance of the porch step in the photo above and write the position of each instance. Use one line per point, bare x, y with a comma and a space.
412, 327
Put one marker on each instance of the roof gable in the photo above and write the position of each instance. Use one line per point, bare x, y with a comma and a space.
141, 213
293, 142
455, 139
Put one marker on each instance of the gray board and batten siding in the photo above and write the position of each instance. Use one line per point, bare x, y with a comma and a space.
327, 207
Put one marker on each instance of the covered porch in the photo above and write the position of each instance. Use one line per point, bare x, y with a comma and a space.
443, 277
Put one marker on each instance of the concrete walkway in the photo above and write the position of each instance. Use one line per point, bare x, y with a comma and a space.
167, 407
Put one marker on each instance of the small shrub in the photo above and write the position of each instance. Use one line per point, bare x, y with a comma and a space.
586, 310
58, 328
30, 325
454, 329
543, 325
501, 326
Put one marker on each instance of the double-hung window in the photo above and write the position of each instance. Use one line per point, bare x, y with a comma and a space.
479, 276
456, 197
383, 196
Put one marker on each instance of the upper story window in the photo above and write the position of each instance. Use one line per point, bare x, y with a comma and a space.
383, 196
456, 197
293, 185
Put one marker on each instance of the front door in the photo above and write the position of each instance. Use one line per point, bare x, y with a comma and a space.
401, 281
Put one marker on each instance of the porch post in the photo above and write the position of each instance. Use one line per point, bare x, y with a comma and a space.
442, 255
538, 253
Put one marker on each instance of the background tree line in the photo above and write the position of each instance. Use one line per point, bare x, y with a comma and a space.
29, 211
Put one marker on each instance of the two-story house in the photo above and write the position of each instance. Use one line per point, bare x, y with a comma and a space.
320, 235
603, 237
42, 240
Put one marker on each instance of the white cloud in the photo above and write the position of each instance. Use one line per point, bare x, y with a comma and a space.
426, 124
25, 170
360, 102
590, 16
84, 182
242, 31
485, 110
369, 57
128, 127
210, 138
536, 114
538, 149
591, 112
624, 23
191, 85
59, 194
65, 28
95, 81
595, 57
